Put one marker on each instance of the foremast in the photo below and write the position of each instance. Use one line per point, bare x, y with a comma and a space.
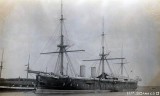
62, 47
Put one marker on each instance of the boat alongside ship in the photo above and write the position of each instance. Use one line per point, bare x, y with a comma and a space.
62, 81
8, 84
17, 84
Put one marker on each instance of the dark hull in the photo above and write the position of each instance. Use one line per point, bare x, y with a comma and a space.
67, 83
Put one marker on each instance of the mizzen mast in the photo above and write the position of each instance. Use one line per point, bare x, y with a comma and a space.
28, 66
122, 61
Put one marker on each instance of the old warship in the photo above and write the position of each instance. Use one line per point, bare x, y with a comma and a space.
63, 81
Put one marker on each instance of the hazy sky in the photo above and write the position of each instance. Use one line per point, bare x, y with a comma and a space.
31, 27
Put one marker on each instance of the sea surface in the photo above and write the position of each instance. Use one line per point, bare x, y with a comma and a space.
64, 94
149, 91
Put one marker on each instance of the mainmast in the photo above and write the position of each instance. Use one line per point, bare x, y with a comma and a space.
103, 55
1, 67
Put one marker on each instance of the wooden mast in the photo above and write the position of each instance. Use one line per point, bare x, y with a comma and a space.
1, 67
62, 46
103, 55
28, 66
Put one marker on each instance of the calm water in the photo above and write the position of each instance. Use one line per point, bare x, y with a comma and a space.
149, 90
85, 94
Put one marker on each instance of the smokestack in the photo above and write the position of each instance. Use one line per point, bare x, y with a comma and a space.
93, 72
82, 71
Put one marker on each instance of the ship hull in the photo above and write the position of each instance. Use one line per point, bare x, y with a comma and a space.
69, 83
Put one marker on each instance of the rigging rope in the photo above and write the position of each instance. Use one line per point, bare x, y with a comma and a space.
70, 63
126, 71
98, 71
56, 69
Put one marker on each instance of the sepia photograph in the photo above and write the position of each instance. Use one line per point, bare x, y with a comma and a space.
79, 48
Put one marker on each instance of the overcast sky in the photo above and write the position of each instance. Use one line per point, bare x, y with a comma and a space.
31, 27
